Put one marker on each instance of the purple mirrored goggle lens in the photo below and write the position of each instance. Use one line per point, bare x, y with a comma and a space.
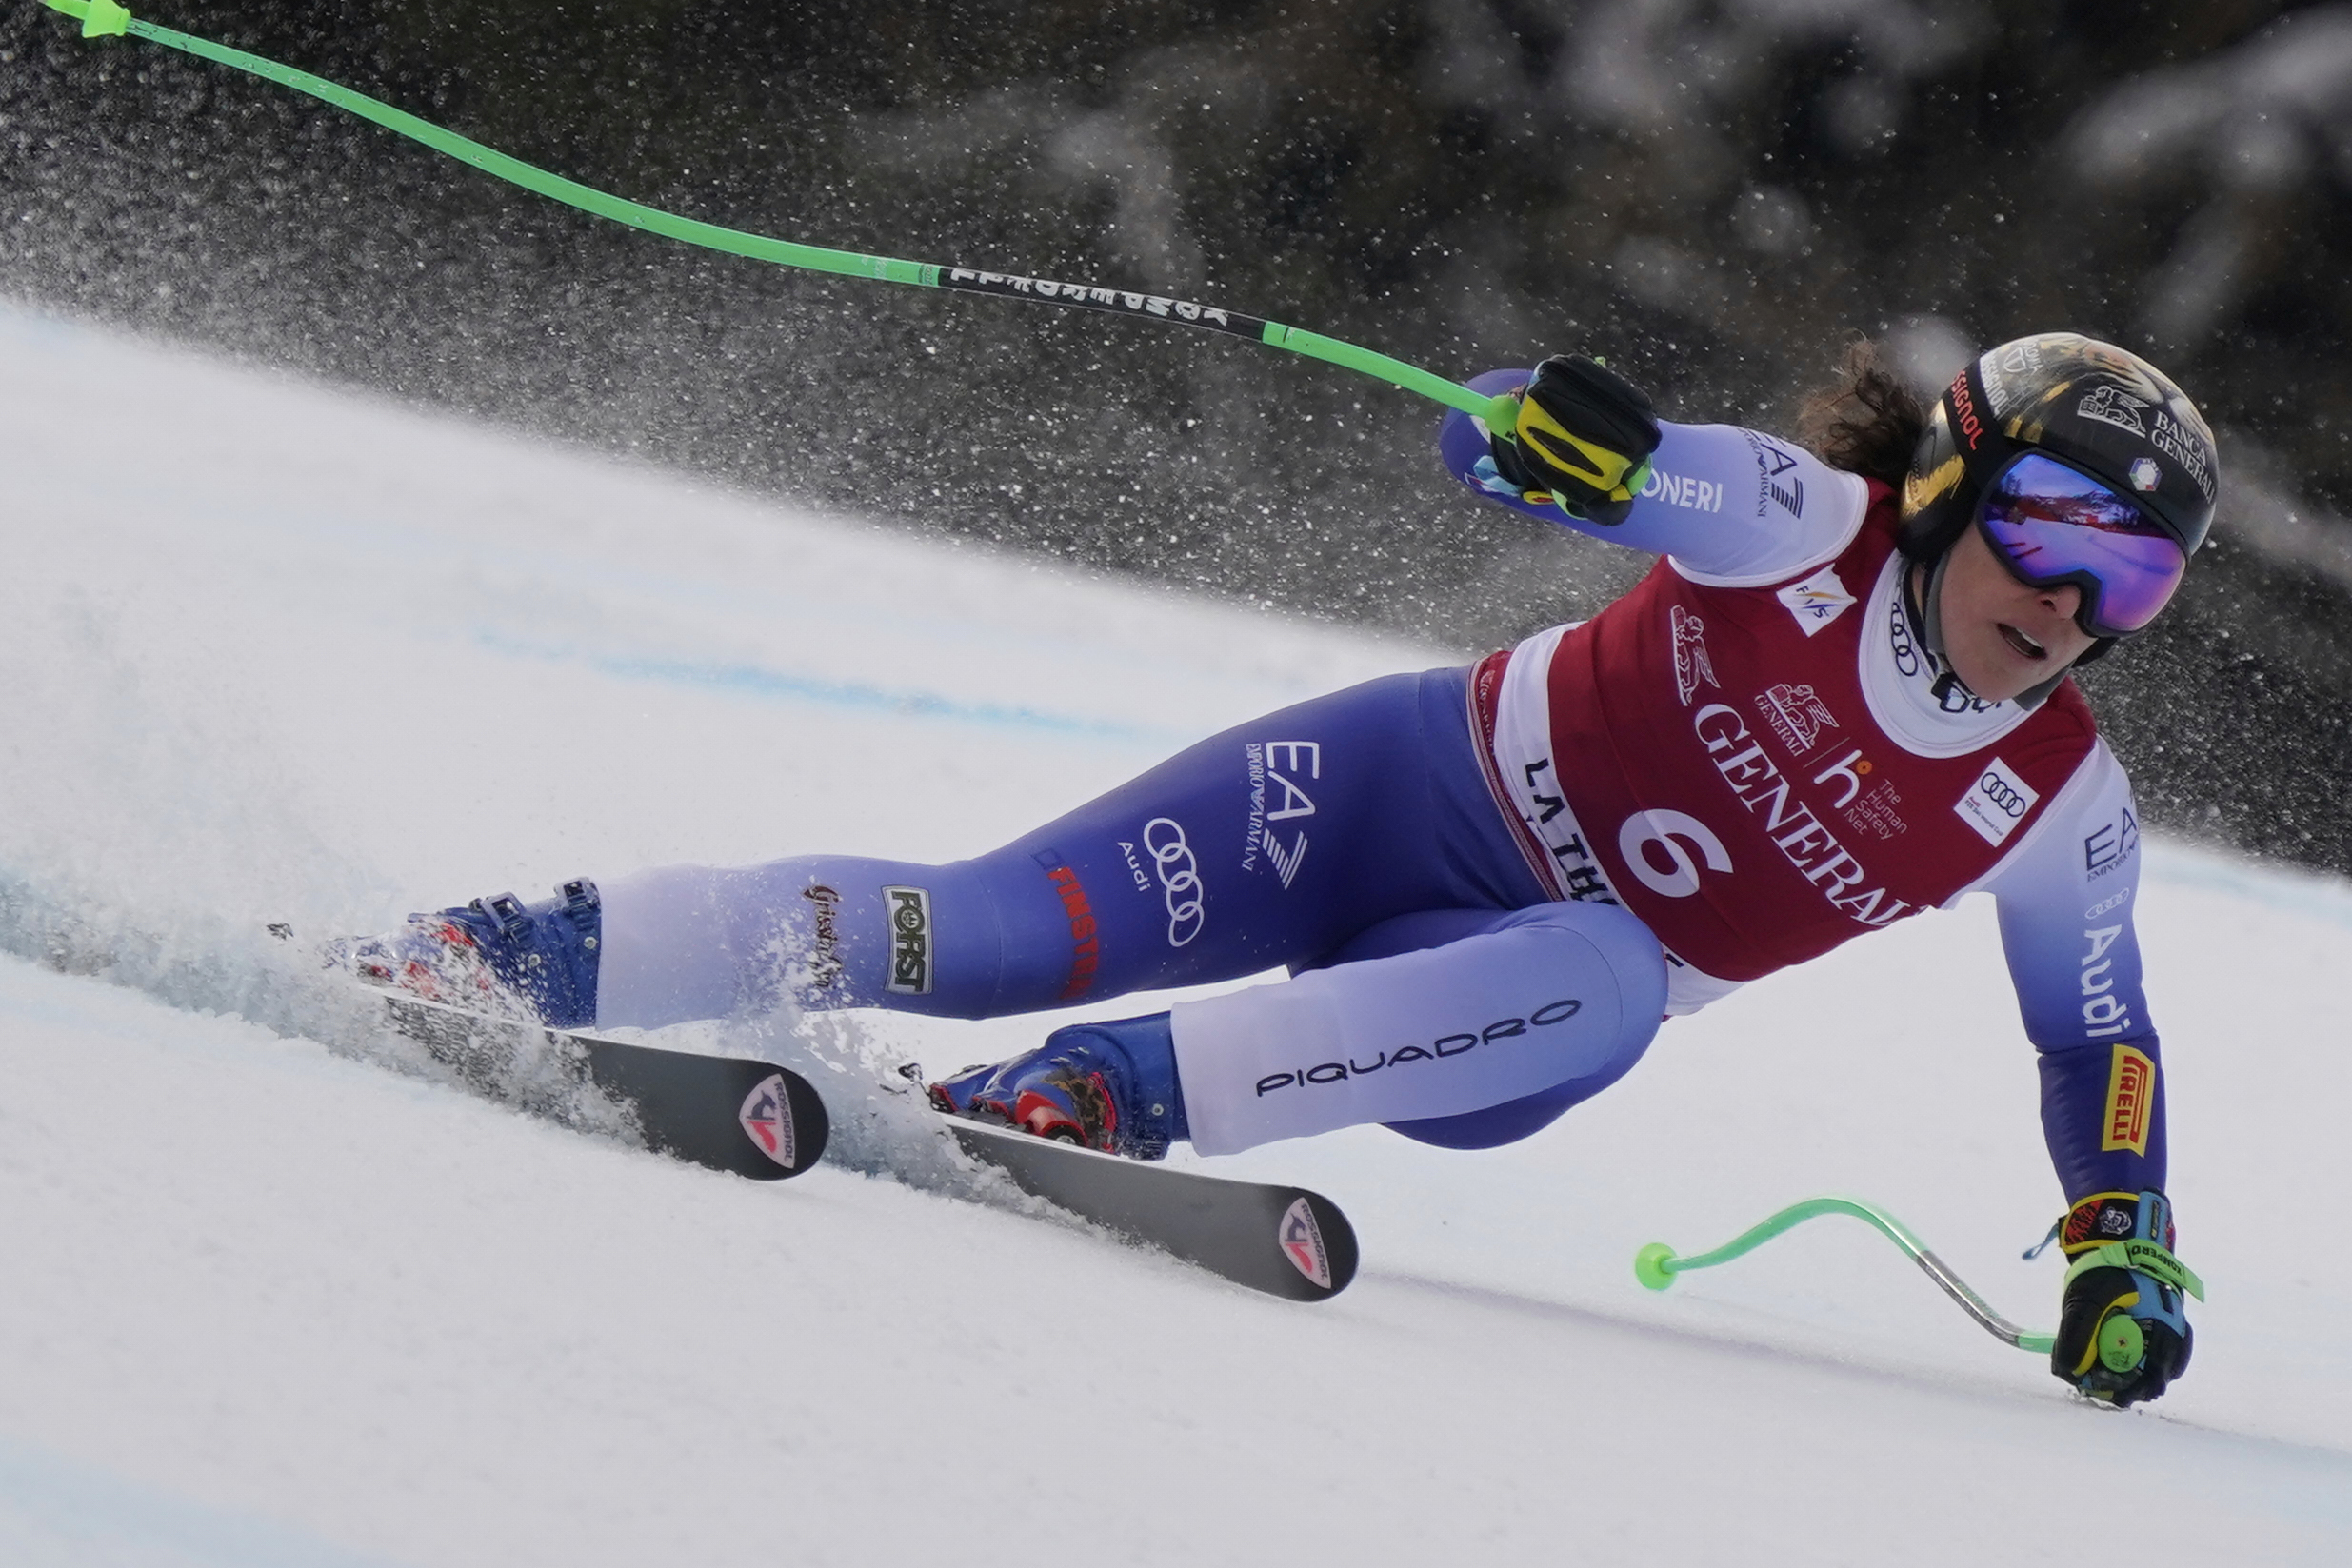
2051, 525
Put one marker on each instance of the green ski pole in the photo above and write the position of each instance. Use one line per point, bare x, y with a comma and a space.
108, 19
1657, 1264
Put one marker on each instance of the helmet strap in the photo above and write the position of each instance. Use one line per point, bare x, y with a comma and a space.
1922, 610
2033, 697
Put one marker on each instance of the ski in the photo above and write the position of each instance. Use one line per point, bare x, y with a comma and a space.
1286, 1241
730, 1114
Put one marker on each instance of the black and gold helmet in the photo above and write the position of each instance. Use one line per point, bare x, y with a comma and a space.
2090, 404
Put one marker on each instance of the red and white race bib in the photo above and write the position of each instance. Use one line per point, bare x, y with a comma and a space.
1711, 758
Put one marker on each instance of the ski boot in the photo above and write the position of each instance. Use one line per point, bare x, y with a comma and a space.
499, 956
1109, 1086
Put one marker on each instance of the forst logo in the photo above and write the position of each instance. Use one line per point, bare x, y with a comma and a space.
909, 913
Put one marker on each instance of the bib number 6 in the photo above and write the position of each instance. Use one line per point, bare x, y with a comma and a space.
1668, 831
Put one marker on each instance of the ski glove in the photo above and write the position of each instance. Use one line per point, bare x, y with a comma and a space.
1582, 439
2122, 1327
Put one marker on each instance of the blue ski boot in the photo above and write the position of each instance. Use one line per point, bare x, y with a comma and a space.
1110, 1087
497, 956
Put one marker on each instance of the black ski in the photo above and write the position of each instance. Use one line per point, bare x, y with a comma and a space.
752, 1118
1285, 1240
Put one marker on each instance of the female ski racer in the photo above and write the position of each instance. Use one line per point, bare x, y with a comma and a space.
1839, 699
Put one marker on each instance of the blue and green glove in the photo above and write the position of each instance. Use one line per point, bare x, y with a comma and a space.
2122, 1331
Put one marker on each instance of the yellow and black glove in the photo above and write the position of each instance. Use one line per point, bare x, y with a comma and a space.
1583, 438
2123, 1330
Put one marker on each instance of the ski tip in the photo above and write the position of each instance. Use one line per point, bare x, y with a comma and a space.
783, 1123
808, 1112
1316, 1240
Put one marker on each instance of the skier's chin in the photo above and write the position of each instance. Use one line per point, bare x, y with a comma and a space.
1996, 664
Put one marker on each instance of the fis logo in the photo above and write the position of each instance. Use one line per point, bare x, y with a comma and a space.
767, 1118
1817, 601
909, 911
2131, 1088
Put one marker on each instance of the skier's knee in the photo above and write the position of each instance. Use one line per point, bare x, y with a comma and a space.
1630, 956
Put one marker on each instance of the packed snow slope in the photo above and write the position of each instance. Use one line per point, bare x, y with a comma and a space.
273, 1292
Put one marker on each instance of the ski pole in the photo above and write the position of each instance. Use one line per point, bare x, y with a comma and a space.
1657, 1264
108, 19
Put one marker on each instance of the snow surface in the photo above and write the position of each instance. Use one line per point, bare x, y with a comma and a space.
271, 1292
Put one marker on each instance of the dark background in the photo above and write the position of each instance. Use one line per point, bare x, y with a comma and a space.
1714, 196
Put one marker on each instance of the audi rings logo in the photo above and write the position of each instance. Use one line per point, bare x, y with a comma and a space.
1996, 802
1180, 878
2005, 800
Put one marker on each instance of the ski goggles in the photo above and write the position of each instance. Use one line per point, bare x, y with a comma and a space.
2051, 525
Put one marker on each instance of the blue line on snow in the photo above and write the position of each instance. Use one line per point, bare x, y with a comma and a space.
2291, 890
750, 679
57, 1511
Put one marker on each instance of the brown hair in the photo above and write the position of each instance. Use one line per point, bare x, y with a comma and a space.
1868, 421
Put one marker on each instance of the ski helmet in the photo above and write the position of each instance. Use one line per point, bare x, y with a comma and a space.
2098, 409
2090, 404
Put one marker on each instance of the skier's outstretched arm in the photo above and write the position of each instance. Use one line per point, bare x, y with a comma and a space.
2066, 899
1730, 505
